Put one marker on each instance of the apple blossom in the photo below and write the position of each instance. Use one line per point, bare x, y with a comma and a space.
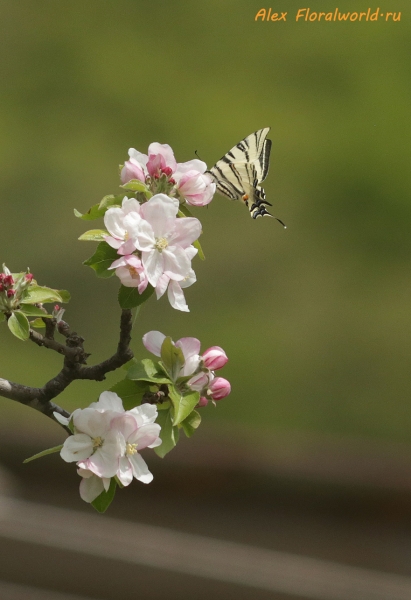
193, 184
94, 446
130, 271
136, 437
117, 225
190, 347
162, 238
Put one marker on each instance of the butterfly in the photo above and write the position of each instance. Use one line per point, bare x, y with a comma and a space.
239, 173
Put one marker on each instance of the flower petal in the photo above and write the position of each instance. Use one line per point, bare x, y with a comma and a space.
176, 296
186, 231
145, 435
140, 469
77, 447
91, 488
125, 471
189, 345
153, 340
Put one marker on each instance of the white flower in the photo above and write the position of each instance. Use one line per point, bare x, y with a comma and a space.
137, 434
162, 238
190, 347
94, 446
116, 225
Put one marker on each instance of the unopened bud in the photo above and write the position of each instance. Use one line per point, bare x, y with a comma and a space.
10, 293
219, 388
214, 358
202, 402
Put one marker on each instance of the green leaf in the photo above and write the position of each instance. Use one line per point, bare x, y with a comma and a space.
201, 254
34, 311
99, 210
172, 357
19, 325
36, 293
44, 453
191, 423
183, 403
102, 259
65, 295
147, 370
135, 185
94, 235
131, 392
102, 502
2, 317
111, 200
168, 434
129, 297
37, 323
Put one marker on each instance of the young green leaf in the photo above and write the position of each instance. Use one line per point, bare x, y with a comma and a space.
102, 502
99, 210
37, 323
191, 423
168, 434
37, 293
94, 235
44, 453
109, 201
135, 185
65, 295
183, 403
33, 311
131, 392
147, 370
172, 358
102, 259
129, 297
201, 254
19, 325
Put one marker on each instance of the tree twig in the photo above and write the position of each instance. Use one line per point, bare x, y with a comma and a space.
74, 367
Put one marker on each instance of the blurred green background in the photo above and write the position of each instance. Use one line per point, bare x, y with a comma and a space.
315, 319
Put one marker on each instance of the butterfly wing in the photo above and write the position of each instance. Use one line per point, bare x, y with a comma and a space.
238, 173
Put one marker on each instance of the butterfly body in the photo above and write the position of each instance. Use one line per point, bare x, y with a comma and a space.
239, 173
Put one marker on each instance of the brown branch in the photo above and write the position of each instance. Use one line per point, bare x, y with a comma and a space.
74, 367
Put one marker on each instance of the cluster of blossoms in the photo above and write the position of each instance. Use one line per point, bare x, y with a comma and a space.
159, 169
106, 443
200, 367
12, 288
155, 246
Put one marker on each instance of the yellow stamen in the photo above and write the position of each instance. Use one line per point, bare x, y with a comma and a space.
131, 449
161, 244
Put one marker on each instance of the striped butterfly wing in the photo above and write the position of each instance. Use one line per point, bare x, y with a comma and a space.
238, 173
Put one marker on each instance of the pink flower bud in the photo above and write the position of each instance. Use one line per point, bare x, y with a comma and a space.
199, 381
203, 401
132, 170
168, 171
8, 280
10, 293
214, 358
1, 287
28, 277
219, 388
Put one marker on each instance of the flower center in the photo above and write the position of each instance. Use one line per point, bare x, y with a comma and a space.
132, 270
161, 244
97, 443
131, 449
